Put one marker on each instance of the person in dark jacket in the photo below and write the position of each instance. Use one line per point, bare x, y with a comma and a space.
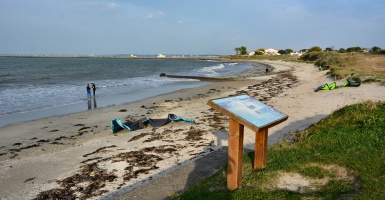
93, 88
88, 91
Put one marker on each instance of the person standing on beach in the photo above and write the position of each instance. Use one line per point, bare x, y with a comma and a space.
93, 88
88, 91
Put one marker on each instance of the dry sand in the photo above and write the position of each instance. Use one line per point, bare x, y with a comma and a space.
77, 156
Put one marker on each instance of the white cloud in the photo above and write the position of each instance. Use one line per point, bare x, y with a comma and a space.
112, 5
107, 6
149, 16
155, 15
89, 3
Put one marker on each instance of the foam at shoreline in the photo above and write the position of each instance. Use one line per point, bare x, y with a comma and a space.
118, 99
100, 102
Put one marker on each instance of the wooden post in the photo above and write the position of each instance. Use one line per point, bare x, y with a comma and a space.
260, 149
235, 154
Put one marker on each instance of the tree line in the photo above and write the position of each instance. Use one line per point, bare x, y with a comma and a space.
375, 50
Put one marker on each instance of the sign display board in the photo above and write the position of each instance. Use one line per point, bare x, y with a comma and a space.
244, 110
249, 110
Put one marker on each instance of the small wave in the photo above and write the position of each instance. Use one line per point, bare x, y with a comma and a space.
211, 70
231, 64
45, 78
6, 75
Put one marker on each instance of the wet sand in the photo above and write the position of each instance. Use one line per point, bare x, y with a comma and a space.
77, 156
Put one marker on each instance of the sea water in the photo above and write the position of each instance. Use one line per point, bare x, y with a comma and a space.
32, 88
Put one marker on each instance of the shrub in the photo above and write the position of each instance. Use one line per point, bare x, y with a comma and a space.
323, 58
312, 56
330, 58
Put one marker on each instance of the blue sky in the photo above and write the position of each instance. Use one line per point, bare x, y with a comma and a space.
99, 27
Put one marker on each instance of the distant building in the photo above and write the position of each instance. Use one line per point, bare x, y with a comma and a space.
133, 56
161, 56
271, 52
296, 53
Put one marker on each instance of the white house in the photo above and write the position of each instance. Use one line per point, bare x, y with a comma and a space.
296, 54
161, 56
271, 52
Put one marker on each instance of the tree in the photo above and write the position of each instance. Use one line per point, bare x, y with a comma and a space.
243, 50
303, 50
354, 49
289, 51
314, 48
342, 50
282, 52
328, 49
237, 50
375, 49
261, 50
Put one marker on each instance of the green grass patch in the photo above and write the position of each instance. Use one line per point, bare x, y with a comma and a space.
343, 65
340, 157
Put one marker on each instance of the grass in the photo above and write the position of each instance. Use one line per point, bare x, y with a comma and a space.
363, 66
340, 157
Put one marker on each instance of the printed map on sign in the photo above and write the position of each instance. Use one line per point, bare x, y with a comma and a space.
251, 110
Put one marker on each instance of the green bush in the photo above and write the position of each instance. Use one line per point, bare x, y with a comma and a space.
323, 58
330, 58
312, 56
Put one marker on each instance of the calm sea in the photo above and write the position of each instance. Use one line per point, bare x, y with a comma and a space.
42, 87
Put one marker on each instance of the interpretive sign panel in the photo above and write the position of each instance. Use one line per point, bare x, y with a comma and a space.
249, 110
244, 110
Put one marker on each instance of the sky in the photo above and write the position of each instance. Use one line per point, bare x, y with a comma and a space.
188, 27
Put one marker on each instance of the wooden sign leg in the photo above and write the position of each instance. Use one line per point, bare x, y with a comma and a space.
235, 153
260, 149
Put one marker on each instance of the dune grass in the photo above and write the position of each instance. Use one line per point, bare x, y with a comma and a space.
364, 67
340, 157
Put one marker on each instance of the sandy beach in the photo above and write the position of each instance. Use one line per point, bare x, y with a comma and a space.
77, 156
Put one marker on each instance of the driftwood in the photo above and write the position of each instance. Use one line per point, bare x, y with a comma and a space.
201, 78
